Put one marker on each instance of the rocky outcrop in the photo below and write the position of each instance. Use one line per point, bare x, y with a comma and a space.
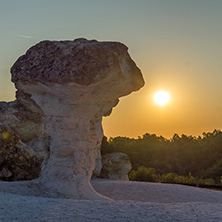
28, 126
74, 83
24, 118
116, 166
22, 140
17, 161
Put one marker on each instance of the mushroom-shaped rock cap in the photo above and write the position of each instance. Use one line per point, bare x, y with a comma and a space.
80, 61
74, 83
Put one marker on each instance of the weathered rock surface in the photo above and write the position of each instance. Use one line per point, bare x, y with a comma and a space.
17, 161
26, 123
74, 83
22, 152
24, 118
98, 165
3, 105
29, 129
116, 166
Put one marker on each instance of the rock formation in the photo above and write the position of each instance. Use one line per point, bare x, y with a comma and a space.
17, 161
21, 154
24, 118
74, 83
116, 166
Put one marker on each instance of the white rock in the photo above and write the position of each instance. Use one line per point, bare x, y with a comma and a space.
75, 83
116, 166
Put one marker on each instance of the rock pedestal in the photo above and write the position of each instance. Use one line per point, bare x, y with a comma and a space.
74, 83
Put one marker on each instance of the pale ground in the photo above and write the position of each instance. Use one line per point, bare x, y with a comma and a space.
132, 201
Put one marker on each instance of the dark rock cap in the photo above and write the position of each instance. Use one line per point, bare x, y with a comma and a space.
81, 61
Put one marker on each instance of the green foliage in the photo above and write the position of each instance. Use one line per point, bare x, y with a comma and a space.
206, 182
143, 174
174, 178
106, 147
169, 178
132, 175
149, 175
181, 155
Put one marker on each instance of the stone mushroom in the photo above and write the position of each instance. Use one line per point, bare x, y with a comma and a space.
74, 83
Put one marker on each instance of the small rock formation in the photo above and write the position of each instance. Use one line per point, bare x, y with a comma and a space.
74, 83
116, 166
24, 118
17, 161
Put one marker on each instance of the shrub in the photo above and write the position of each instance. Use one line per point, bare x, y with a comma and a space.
206, 182
143, 174
169, 178
149, 175
132, 175
190, 179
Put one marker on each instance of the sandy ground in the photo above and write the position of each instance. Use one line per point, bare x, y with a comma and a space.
132, 201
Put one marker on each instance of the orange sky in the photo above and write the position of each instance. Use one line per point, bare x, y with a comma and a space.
176, 44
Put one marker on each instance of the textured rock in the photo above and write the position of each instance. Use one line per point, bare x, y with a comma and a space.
17, 161
27, 124
24, 118
116, 166
98, 165
74, 83
3, 105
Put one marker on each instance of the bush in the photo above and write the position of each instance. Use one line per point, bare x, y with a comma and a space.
188, 179
169, 178
206, 182
149, 175
132, 175
174, 178
143, 174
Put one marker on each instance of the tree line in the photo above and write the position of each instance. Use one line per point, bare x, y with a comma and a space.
182, 155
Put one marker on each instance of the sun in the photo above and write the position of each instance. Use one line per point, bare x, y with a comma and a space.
161, 97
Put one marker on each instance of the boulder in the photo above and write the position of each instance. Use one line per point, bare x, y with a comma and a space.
24, 118
116, 166
74, 83
17, 161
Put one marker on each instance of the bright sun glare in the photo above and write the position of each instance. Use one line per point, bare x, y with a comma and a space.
161, 97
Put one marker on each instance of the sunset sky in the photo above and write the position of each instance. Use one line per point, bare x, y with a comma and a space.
176, 44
